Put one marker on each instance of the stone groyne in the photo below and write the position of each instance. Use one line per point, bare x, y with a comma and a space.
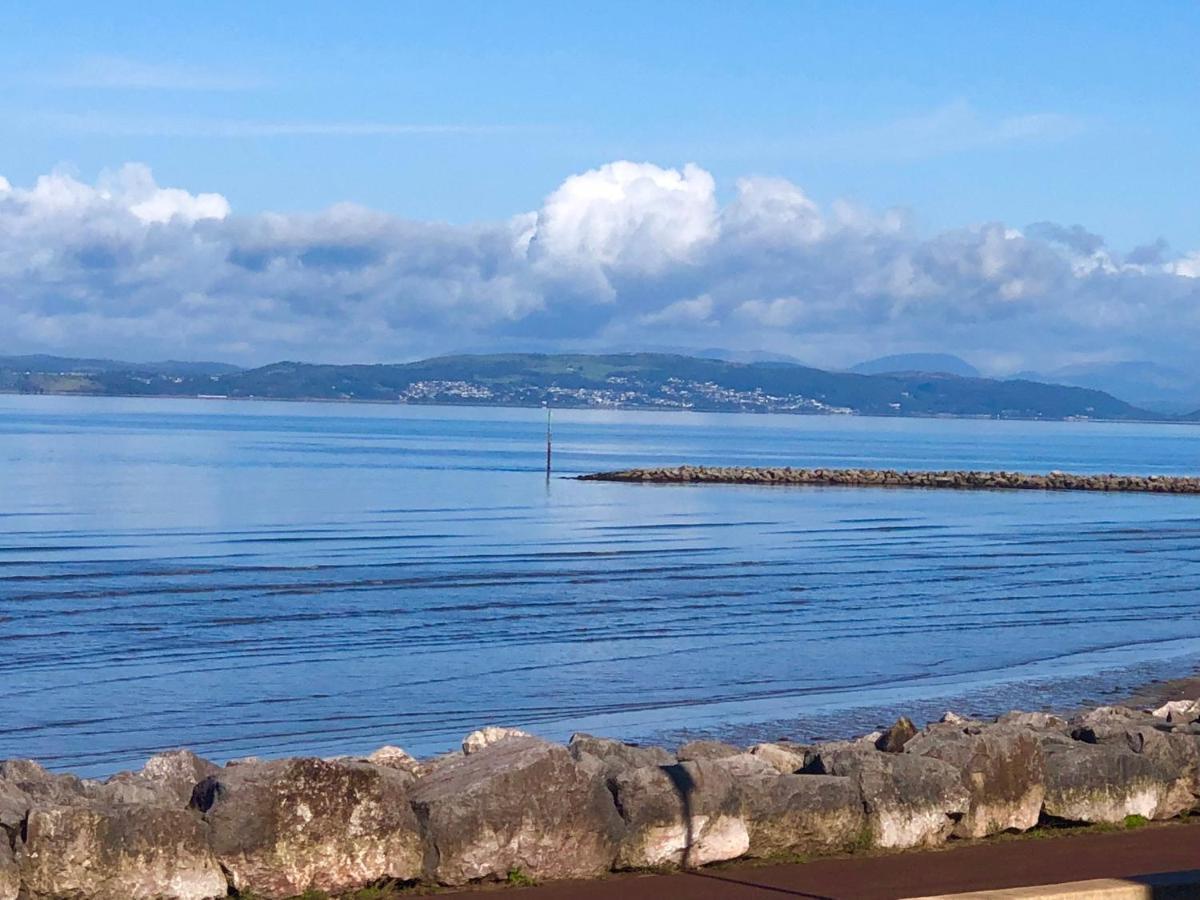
949, 480
513, 807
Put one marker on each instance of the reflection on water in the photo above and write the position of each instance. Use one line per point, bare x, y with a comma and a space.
315, 578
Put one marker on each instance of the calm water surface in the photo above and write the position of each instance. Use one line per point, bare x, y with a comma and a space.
257, 578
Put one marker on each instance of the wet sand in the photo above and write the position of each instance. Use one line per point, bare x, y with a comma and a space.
1156, 693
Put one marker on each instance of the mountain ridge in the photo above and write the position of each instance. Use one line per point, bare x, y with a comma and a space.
618, 380
940, 363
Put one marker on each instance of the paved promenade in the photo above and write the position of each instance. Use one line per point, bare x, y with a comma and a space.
994, 864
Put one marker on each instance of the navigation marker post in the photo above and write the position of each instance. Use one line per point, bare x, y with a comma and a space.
548, 440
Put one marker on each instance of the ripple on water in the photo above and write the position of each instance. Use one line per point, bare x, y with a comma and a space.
320, 598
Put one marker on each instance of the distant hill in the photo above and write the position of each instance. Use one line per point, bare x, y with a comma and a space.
1146, 384
629, 380
746, 356
61, 364
943, 363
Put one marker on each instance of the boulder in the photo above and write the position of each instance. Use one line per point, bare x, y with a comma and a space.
866, 743
431, 764
615, 756
895, 737
41, 786
1105, 783
167, 779
711, 810
1110, 717
119, 852
1038, 721
395, 758
294, 825
1176, 711
492, 734
706, 750
10, 877
745, 768
911, 800
14, 803
521, 804
1001, 768
1177, 754
786, 758
686, 814
802, 814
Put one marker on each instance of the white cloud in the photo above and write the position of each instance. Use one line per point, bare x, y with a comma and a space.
772, 212
632, 216
782, 312
1188, 266
130, 191
629, 253
693, 312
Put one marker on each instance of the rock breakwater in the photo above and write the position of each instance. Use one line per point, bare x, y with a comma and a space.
965, 480
512, 804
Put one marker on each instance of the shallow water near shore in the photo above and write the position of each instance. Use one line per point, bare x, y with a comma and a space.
287, 578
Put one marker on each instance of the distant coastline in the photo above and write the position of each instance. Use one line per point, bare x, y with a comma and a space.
1151, 419
637, 381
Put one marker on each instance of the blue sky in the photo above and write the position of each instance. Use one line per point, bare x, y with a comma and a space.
957, 114
890, 104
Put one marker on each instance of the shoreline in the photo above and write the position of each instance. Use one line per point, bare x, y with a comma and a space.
1158, 692
1081, 420
513, 808
966, 480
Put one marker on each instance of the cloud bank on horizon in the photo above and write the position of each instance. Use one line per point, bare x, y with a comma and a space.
624, 256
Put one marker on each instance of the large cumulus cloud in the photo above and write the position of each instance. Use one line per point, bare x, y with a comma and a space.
626, 255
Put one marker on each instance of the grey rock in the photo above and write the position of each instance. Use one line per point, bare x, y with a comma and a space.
615, 756
10, 876
895, 737
1038, 721
1102, 714
492, 734
1105, 783
1179, 711
167, 779
431, 764
391, 757
282, 828
14, 803
706, 750
786, 757
1002, 769
522, 803
91, 852
911, 800
1177, 754
802, 814
42, 786
687, 814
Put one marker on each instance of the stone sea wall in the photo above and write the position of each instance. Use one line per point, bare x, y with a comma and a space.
950, 479
513, 806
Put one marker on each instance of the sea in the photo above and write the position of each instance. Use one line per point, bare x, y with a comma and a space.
267, 579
